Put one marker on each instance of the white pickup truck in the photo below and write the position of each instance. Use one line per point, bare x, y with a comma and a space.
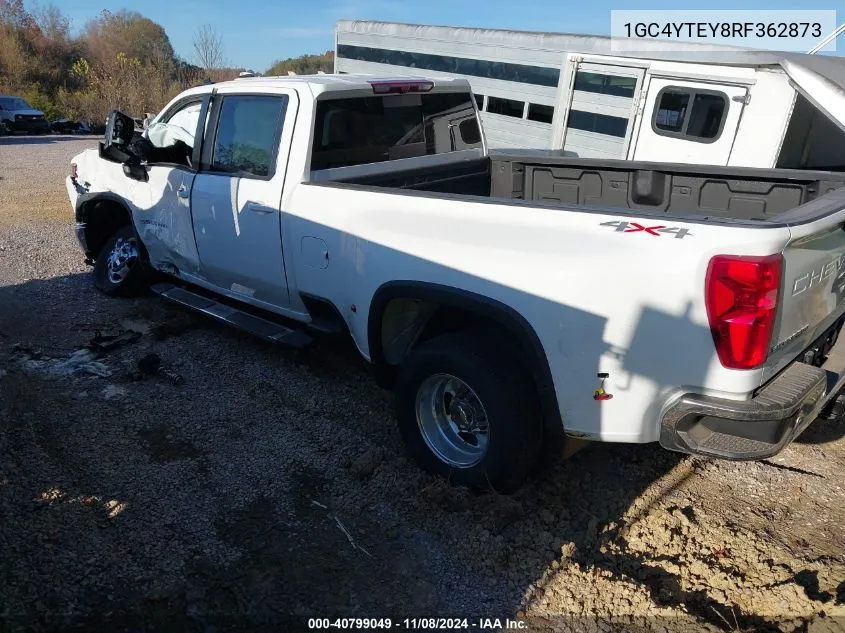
508, 298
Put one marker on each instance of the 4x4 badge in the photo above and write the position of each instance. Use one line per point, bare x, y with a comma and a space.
622, 226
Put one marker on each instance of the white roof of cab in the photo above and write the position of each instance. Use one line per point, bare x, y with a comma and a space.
331, 82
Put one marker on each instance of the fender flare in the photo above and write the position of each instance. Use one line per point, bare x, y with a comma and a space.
95, 196
87, 201
505, 316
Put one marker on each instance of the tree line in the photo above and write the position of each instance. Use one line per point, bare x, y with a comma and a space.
118, 60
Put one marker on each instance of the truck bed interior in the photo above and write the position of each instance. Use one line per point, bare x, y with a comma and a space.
679, 190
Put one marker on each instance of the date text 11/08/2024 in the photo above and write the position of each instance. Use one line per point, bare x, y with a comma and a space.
418, 624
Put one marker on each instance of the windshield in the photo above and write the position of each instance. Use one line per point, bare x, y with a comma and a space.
14, 103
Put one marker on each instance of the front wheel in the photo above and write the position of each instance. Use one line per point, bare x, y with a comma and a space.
119, 268
468, 412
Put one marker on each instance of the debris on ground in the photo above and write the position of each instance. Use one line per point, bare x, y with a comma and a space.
150, 364
81, 361
103, 343
174, 377
333, 517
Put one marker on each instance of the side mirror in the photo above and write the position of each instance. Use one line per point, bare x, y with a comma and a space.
119, 130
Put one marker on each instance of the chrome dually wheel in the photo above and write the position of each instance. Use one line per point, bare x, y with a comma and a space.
452, 420
468, 411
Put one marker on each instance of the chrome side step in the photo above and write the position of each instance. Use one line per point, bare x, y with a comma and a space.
255, 325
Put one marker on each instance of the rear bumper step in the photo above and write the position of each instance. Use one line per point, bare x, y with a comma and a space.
759, 427
258, 326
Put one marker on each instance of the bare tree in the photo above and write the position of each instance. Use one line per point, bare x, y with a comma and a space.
208, 44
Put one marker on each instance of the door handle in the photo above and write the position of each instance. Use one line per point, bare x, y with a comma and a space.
260, 209
183, 192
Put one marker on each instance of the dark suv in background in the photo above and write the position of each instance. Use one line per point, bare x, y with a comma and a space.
16, 115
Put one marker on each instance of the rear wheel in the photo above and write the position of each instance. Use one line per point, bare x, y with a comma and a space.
469, 412
119, 268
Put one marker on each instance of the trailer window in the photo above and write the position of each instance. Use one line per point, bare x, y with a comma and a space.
671, 111
359, 130
706, 117
479, 101
615, 85
693, 115
598, 123
540, 113
505, 107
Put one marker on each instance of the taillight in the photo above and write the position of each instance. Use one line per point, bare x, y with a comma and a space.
741, 294
73, 171
400, 87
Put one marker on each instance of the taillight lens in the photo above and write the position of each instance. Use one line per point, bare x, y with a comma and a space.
741, 294
74, 171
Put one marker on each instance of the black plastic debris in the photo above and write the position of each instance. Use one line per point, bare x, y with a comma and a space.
103, 343
150, 364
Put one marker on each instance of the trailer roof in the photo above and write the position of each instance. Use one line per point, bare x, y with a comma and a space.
821, 78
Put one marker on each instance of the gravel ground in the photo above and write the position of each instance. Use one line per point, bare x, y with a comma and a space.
199, 479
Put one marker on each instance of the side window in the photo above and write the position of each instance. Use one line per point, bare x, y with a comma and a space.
470, 134
708, 112
179, 126
248, 132
671, 111
479, 101
692, 115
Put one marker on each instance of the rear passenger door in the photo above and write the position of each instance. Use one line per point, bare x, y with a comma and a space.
237, 194
689, 121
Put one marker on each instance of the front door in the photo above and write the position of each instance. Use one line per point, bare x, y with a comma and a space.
689, 121
166, 229
601, 105
236, 196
